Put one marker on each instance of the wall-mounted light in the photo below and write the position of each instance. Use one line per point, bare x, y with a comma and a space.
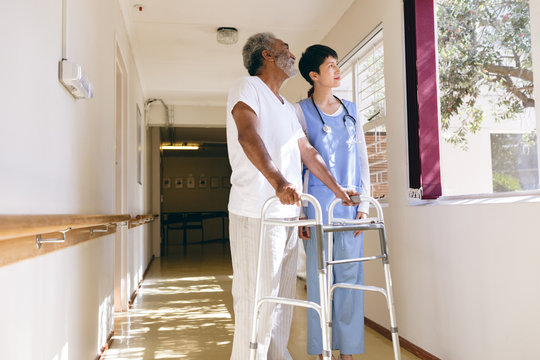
180, 147
227, 35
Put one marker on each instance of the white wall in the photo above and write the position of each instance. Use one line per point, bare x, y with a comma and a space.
465, 274
58, 306
196, 199
57, 155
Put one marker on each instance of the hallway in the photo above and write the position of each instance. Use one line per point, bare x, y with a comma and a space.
183, 310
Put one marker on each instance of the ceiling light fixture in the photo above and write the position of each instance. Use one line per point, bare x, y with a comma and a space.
227, 35
179, 147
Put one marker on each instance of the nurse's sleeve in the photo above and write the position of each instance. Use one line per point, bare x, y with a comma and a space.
305, 171
364, 181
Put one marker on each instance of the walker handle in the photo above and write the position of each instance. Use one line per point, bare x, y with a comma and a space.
319, 234
355, 199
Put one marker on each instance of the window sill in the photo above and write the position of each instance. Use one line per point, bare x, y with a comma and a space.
475, 199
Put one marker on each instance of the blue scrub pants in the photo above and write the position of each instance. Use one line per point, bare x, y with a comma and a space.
348, 305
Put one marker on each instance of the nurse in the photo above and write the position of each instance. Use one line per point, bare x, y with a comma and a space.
332, 128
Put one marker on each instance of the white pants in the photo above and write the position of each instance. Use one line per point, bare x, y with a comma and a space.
278, 279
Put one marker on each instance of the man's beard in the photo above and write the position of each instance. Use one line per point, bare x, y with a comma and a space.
286, 63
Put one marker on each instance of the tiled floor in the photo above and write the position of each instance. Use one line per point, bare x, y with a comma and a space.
184, 311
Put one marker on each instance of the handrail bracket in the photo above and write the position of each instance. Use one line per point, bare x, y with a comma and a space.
40, 240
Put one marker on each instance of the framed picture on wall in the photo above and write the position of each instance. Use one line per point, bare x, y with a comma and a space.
226, 182
203, 181
178, 183
190, 181
166, 183
214, 182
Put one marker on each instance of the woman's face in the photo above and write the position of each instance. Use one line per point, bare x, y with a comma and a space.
329, 74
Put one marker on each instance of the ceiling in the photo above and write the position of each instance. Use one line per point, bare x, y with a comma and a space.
178, 57
177, 135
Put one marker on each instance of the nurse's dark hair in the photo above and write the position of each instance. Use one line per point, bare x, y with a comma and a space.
312, 59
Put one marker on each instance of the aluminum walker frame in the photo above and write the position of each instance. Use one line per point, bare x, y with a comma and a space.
260, 300
376, 223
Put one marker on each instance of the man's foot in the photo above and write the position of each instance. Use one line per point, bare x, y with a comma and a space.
345, 357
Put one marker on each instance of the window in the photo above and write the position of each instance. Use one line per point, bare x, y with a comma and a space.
363, 83
485, 118
487, 112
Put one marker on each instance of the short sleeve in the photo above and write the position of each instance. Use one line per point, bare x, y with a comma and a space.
364, 181
296, 128
245, 92
301, 117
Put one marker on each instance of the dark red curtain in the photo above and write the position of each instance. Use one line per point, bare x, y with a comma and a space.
422, 102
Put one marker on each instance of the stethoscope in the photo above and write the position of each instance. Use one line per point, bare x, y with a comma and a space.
327, 129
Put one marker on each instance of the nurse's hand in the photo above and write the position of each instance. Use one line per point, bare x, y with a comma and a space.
345, 196
360, 215
303, 231
287, 194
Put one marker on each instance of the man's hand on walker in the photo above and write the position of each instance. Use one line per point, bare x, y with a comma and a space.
287, 194
360, 215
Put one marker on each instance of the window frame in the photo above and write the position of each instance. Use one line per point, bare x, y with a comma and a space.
349, 64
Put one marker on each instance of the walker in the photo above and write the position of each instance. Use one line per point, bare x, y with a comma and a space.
260, 300
376, 223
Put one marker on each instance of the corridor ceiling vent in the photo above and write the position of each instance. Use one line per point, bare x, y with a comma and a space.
227, 35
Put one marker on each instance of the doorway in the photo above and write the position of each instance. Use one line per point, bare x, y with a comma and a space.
121, 296
195, 185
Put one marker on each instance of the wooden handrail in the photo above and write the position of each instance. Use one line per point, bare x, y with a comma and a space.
21, 236
14, 226
141, 220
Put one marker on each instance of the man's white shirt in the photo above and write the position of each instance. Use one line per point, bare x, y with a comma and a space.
279, 130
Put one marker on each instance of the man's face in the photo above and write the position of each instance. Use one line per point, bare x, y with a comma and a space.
284, 58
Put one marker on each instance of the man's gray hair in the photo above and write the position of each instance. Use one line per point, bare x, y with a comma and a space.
252, 51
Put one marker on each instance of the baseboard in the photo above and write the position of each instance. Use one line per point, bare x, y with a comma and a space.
404, 343
134, 295
106, 346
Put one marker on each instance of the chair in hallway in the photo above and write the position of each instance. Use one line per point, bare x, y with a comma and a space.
185, 221
193, 220
182, 221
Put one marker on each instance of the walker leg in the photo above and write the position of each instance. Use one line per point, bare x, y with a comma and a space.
329, 283
392, 311
256, 306
323, 293
390, 296
326, 350
253, 340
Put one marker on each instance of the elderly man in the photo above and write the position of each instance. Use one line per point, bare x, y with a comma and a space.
266, 147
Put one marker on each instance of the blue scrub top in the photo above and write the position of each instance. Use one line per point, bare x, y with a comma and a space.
339, 153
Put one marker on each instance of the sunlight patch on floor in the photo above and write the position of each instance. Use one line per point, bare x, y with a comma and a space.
191, 316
